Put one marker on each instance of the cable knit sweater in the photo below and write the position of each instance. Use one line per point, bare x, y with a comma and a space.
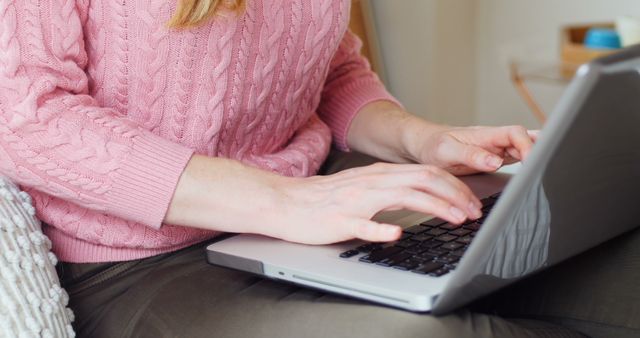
102, 106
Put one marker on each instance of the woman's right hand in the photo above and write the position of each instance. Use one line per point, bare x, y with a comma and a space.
339, 207
224, 195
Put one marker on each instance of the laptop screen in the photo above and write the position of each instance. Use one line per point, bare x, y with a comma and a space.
580, 190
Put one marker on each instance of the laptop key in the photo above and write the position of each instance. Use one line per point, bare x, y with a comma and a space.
415, 229
436, 232
447, 259
446, 238
437, 251
427, 268
475, 226
414, 250
487, 202
424, 257
465, 240
468, 221
407, 243
452, 246
409, 264
349, 253
366, 248
458, 253
421, 237
395, 259
438, 272
434, 222
450, 226
378, 255
405, 236
430, 244
460, 232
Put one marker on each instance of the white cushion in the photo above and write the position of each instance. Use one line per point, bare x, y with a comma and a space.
32, 303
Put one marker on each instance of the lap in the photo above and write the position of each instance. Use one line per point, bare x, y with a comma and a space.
180, 295
595, 292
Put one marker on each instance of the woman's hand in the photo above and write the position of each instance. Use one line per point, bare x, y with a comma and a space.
383, 130
224, 195
470, 150
339, 207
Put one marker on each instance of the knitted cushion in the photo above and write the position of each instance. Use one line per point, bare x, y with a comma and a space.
32, 303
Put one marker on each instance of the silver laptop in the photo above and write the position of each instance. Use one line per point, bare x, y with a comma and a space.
579, 188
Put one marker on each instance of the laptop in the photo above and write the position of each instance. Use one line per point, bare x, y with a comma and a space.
579, 187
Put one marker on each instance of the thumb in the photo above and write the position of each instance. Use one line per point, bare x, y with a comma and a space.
375, 232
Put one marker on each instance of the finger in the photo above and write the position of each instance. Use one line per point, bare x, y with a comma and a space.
444, 185
513, 153
533, 134
419, 201
385, 168
505, 137
427, 178
510, 160
520, 139
378, 168
433, 180
386, 175
375, 232
461, 170
473, 156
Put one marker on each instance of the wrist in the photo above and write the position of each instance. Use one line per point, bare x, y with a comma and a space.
386, 131
416, 135
224, 195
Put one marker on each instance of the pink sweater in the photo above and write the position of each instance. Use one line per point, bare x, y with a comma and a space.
101, 107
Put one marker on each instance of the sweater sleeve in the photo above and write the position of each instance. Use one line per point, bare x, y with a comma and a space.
350, 85
55, 138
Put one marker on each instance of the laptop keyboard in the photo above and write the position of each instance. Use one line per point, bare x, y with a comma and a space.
430, 248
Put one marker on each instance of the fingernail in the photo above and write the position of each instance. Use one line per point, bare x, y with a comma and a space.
391, 233
473, 208
474, 211
457, 213
477, 204
493, 161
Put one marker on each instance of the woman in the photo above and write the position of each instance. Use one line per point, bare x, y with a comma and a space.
140, 140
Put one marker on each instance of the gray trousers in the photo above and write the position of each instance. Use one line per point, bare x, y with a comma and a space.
179, 295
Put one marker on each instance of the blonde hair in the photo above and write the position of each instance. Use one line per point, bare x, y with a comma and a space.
192, 13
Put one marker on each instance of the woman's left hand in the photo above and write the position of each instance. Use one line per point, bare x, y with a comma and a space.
385, 131
470, 150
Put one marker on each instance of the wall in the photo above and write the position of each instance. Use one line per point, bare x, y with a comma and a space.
526, 30
428, 55
448, 60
